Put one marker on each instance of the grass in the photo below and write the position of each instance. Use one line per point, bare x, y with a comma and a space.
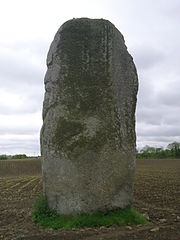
46, 218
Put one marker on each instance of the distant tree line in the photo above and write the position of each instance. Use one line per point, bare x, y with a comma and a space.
148, 152
17, 156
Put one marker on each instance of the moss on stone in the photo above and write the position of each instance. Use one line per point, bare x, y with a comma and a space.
86, 86
65, 131
72, 135
86, 83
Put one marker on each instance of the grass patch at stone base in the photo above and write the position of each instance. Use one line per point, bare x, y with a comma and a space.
46, 218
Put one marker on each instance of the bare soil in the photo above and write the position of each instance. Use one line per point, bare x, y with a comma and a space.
156, 194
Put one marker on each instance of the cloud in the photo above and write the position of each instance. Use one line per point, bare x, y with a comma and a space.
13, 144
152, 34
147, 57
20, 133
22, 123
19, 67
169, 96
22, 70
17, 102
155, 141
164, 130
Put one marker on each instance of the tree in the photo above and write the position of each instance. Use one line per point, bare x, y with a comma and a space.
3, 157
173, 145
19, 156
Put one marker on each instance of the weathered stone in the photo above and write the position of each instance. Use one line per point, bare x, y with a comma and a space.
88, 133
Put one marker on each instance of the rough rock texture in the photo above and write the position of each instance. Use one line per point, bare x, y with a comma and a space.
88, 134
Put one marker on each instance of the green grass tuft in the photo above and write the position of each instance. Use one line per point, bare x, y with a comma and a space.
44, 217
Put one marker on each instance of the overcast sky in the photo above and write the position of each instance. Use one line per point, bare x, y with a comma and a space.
152, 33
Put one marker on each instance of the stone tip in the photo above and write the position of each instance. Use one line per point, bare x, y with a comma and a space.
87, 20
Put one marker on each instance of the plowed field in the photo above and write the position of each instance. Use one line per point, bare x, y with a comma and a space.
156, 194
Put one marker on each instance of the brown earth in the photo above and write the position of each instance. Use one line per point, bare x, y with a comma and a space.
156, 194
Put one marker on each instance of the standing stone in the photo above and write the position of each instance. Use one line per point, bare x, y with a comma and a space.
88, 133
